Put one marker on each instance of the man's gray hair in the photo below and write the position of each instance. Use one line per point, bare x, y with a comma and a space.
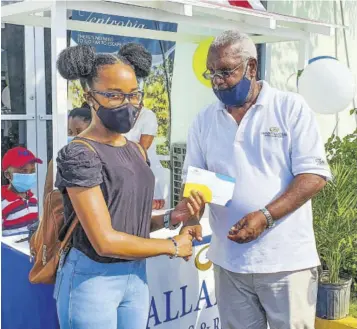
245, 45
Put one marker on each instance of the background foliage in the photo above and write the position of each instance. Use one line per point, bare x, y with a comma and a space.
75, 93
335, 222
157, 90
335, 208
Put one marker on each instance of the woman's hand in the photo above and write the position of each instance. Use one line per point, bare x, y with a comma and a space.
184, 245
195, 231
188, 208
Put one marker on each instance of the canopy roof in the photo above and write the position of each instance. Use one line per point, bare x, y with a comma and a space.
202, 17
262, 25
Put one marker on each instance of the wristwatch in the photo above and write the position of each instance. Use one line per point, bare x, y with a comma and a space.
269, 217
167, 221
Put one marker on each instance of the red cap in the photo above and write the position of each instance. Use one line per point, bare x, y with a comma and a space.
18, 157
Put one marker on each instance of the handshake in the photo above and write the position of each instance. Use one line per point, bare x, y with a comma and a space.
189, 212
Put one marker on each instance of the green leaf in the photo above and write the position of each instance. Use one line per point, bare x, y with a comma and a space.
335, 215
299, 73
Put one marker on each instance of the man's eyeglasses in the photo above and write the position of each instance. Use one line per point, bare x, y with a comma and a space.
209, 75
117, 97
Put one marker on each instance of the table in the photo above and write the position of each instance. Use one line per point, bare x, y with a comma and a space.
181, 293
23, 305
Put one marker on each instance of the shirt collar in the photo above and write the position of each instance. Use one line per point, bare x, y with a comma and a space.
10, 195
263, 97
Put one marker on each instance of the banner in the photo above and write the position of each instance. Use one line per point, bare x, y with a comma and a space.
182, 293
105, 43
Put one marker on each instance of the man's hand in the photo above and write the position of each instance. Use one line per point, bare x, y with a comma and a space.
188, 208
249, 228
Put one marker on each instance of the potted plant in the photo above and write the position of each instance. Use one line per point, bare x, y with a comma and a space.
344, 151
335, 225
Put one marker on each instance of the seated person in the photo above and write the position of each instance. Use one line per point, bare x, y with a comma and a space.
19, 205
79, 120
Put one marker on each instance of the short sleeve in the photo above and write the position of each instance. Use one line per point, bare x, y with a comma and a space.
78, 166
307, 149
194, 154
149, 124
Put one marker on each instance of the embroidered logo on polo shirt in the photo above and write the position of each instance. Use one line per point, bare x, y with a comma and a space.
274, 129
274, 132
320, 162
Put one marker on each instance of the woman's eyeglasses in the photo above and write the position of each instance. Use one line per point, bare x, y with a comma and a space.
117, 97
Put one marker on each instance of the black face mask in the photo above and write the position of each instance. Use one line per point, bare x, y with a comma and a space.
120, 119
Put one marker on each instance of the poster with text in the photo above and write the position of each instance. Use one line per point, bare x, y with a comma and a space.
157, 85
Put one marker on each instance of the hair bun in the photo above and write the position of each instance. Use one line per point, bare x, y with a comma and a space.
76, 62
138, 56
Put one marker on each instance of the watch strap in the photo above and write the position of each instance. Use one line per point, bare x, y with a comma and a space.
167, 219
269, 217
174, 227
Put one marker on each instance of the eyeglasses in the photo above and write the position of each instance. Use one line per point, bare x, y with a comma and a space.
117, 97
208, 75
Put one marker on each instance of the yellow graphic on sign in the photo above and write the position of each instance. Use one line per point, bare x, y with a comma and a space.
200, 59
202, 266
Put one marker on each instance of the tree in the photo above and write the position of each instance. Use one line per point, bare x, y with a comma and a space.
157, 99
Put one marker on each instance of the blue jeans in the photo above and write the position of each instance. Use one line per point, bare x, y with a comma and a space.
93, 295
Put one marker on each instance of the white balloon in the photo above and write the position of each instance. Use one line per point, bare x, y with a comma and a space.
327, 85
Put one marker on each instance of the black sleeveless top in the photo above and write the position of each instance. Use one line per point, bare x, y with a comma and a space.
126, 181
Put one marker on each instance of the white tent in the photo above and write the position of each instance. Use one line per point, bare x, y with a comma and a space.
264, 27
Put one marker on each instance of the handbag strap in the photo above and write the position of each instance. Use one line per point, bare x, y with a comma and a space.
75, 221
81, 141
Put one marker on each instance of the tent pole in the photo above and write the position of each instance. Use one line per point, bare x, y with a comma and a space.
59, 85
304, 52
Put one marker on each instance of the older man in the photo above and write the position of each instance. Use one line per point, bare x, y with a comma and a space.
263, 244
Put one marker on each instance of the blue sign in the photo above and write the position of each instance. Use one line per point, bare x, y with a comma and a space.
105, 43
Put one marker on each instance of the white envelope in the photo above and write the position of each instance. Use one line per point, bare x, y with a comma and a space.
216, 188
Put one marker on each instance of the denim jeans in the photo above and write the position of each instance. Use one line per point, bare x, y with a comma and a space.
93, 295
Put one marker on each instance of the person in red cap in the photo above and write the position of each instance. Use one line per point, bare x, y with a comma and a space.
19, 205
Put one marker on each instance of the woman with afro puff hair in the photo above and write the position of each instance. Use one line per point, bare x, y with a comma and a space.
109, 186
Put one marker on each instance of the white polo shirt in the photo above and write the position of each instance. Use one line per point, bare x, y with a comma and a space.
277, 139
146, 124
